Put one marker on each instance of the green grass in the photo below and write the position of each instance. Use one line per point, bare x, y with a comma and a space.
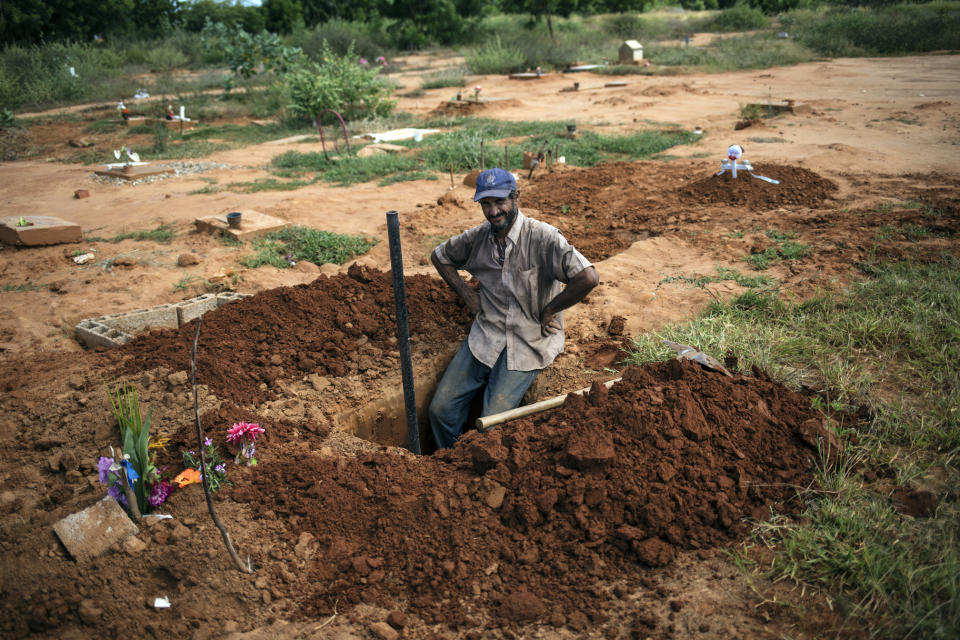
446, 78
271, 184
888, 343
26, 286
407, 176
163, 234
460, 146
784, 249
304, 243
761, 283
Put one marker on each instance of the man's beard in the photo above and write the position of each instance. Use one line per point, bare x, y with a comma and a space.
508, 219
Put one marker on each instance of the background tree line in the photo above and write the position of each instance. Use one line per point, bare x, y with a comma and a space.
414, 22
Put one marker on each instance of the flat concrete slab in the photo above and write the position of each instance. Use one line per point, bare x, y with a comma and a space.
41, 230
133, 172
252, 225
88, 533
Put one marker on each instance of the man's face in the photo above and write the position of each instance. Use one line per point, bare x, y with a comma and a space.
499, 212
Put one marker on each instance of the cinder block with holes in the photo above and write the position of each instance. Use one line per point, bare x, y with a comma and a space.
119, 328
196, 307
96, 334
162, 316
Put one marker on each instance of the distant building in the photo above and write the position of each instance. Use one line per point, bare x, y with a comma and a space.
631, 52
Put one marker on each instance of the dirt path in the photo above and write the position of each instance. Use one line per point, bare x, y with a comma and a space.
869, 156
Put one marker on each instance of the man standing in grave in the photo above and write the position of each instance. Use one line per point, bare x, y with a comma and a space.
521, 265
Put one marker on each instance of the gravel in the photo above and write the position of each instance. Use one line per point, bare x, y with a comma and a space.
179, 168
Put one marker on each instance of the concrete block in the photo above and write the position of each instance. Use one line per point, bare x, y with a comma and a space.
40, 230
230, 296
196, 307
96, 334
88, 533
163, 316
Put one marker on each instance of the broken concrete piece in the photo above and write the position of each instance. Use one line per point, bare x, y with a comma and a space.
254, 224
38, 230
380, 148
88, 533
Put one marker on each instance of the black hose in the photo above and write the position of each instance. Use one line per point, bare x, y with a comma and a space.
403, 332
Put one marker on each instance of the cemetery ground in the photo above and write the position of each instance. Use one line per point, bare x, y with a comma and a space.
652, 509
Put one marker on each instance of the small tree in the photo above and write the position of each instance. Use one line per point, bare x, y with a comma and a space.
246, 54
340, 83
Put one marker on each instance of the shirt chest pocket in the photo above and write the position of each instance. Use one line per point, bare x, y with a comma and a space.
525, 287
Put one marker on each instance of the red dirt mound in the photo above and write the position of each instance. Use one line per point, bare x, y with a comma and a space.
798, 186
332, 326
673, 457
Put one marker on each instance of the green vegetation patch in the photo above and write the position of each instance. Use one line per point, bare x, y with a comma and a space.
293, 244
786, 248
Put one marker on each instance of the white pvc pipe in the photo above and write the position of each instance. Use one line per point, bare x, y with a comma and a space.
486, 422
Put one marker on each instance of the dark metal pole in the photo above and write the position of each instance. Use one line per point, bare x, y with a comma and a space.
403, 331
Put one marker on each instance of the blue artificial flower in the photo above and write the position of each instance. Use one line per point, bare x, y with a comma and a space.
132, 475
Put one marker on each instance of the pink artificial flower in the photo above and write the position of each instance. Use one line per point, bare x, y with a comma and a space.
244, 430
478, 88
246, 433
363, 61
381, 60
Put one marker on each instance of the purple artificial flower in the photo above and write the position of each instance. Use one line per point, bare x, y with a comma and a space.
118, 495
103, 467
219, 468
159, 493
207, 442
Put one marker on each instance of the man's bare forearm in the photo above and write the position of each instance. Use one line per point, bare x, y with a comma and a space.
459, 285
575, 291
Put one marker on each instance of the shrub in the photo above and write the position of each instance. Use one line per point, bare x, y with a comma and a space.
494, 57
165, 58
339, 83
742, 17
367, 39
889, 30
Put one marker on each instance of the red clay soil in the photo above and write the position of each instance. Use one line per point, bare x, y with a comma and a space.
332, 327
580, 200
798, 186
517, 525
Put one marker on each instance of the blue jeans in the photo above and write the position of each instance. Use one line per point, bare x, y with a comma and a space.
461, 382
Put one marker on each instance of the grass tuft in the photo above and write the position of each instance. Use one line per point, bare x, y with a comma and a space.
303, 243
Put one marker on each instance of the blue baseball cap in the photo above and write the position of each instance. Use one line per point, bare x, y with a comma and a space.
495, 183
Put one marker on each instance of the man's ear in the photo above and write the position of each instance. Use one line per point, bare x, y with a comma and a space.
516, 194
